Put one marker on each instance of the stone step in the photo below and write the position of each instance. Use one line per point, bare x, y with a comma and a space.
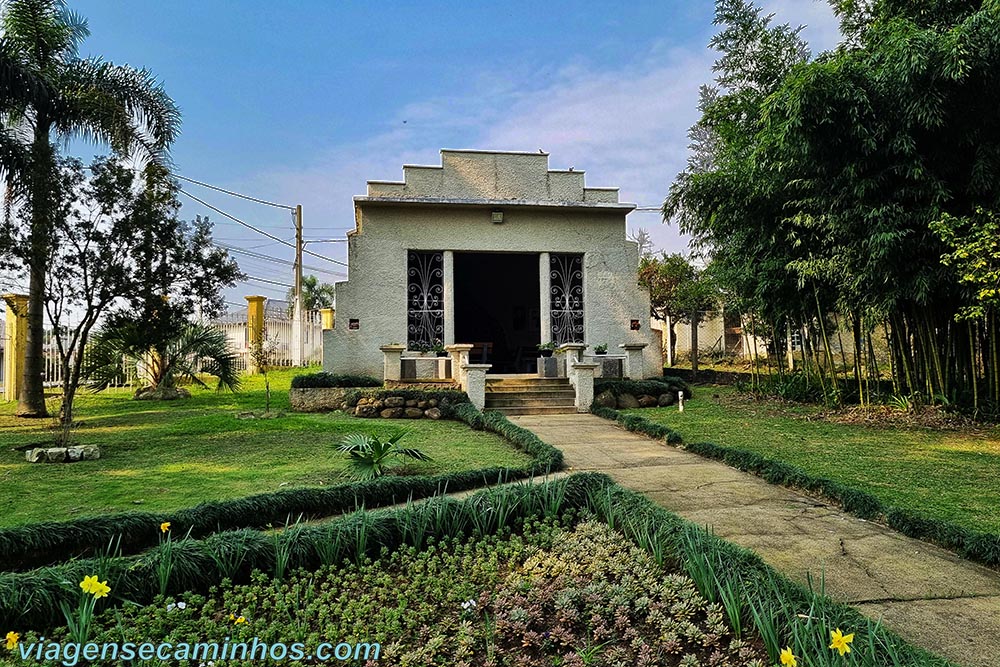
523, 379
536, 410
510, 400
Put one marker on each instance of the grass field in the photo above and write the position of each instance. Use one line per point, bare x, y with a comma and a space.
950, 475
162, 456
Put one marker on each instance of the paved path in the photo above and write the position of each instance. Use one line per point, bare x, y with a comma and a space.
929, 596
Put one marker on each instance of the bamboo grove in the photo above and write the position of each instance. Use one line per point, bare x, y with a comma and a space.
858, 187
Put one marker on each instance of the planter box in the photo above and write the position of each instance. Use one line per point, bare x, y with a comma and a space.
419, 368
550, 367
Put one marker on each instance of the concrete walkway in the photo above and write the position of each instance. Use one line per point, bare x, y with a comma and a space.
929, 596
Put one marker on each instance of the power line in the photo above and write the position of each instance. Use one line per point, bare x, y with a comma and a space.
257, 255
234, 194
255, 229
269, 282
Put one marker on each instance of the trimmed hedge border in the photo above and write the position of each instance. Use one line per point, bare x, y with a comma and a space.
36, 544
324, 380
639, 424
974, 545
30, 600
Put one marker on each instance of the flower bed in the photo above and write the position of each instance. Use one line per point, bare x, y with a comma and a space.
655, 392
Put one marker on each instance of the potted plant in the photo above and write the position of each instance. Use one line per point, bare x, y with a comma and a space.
422, 348
438, 348
546, 349
601, 349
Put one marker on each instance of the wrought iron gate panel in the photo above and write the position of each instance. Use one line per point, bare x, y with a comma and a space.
566, 298
425, 298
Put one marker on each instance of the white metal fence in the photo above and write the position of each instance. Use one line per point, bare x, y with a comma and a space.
277, 332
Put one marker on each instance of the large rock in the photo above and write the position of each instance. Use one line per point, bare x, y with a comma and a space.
605, 400
73, 454
89, 452
412, 403
433, 413
395, 402
393, 413
647, 401
627, 401
55, 454
161, 393
414, 413
366, 411
35, 455
666, 399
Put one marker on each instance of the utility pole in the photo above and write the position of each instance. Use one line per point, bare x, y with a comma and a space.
297, 355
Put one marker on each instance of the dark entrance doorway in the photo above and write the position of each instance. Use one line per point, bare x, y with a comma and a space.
497, 309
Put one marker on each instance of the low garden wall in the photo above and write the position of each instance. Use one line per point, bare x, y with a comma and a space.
365, 396
628, 394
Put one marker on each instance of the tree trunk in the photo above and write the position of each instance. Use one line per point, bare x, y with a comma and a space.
694, 343
31, 402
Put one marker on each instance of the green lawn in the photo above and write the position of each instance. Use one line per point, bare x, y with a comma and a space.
954, 476
163, 456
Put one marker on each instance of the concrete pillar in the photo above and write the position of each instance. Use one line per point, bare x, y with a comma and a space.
634, 367
584, 374
327, 315
255, 328
448, 283
475, 383
16, 333
573, 353
392, 361
545, 296
459, 359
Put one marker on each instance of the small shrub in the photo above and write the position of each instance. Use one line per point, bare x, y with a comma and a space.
369, 456
324, 380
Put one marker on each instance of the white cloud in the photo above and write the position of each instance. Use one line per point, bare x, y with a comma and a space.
625, 127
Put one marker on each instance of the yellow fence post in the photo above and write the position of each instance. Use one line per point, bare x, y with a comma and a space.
16, 333
327, 314
255, 328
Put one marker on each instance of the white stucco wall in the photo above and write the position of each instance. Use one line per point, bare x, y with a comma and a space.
468, 187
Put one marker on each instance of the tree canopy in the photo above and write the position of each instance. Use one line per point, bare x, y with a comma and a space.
830, 177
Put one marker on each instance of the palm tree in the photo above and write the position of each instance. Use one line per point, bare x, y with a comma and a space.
87, 98
369, 456
194, 350
315, 295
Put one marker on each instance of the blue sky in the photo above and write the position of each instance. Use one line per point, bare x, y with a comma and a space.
302, 102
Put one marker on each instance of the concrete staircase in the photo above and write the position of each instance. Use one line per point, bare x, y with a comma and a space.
529, 395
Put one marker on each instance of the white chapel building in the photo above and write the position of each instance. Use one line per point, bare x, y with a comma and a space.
491, 249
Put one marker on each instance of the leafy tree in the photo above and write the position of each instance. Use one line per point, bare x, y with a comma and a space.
89, 98
315, 295
194, 350
101, 258
828, 174
678, 292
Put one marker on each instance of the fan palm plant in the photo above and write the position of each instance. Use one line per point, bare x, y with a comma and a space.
369, 456
85, 98
194, 350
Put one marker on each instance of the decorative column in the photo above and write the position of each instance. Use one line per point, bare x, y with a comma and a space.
16, 332
459, 359
634, 368
448, 283
327, 317
545, 295
392, 361
572, 352
255, 329
584, 374
475, 383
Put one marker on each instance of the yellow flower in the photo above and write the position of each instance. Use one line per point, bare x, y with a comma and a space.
788, 658
12, 639
840, 641
240, 620
100, 589
232, 617
165, 526
89, 583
